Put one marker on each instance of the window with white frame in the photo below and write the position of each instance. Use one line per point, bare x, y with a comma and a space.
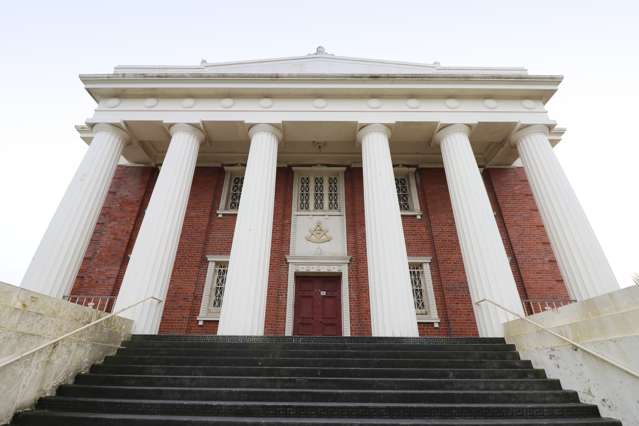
318, 192
406, 187
422, 287
214, 284
232, 191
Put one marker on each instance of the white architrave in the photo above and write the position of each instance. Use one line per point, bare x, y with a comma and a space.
151, 264
206, 313
391, 296
244, 304
581, 259
485, 261
327, 265
57, 260
410, 173
229, 172
431, 316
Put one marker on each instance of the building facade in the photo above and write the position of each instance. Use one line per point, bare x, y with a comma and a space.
320, 195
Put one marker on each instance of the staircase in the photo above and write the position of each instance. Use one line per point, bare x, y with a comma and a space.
225, 380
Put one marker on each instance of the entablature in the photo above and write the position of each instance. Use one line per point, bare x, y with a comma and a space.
323, 142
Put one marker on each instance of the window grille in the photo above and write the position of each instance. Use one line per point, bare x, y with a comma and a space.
304, 193
318, 193
333, 193
416, 271
235, 192
215, 283
402, 185
219, 281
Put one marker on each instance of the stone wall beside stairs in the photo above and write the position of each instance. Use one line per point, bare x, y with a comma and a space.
29, 319
607, 324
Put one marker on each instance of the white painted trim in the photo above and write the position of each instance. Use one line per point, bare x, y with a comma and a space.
414, 195
295, 202
208, 286
318, 168
326, 265
228, 171
433, 316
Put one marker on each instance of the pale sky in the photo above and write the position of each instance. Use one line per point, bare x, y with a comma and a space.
44, 45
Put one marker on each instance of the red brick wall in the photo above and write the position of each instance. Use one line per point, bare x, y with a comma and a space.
108, 249
438, 212
530, 247
189, 269
278, 267
434, 234
356, 247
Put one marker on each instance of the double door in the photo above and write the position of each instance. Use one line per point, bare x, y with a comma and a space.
318, 307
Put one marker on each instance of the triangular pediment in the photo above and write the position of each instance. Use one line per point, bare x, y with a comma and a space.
319, 63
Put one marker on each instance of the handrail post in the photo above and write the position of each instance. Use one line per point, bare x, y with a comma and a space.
561, 337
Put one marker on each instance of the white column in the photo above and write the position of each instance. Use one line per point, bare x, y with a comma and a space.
151, 264
389, 286
485, 260
57, 260
244, 304
581, 259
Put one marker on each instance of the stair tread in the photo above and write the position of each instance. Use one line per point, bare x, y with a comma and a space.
326, 404
325, 420
311, 389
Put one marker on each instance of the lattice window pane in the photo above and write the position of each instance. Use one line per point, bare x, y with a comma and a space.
235, 192
416, 271
318, 195
304, 195
403, 192
219, 281
333, 193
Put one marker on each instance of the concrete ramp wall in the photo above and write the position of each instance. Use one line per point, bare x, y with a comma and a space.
29, 319
607, 324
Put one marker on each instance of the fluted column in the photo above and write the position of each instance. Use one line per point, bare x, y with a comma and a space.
57, 260
485, 260
244, 303
583, 264
151, 264
389, 286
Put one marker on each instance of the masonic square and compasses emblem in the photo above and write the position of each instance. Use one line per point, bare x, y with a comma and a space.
317, 234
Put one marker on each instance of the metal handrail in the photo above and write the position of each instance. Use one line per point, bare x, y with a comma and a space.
572, 342
77, 330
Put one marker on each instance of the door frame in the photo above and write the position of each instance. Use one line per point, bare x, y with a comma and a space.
317, 266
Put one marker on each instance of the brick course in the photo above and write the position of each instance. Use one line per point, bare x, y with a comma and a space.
434, 235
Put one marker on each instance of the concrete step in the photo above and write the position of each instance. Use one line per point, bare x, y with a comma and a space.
317, 382
318, 395
317, 339
62, 418
316, 362
320, 353
317, 409
405, 373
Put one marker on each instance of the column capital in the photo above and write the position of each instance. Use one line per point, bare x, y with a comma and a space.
110, 128
373, 128
449, 130
268, 128
187, 128
535, 128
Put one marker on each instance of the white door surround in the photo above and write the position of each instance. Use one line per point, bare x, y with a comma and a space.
315, 265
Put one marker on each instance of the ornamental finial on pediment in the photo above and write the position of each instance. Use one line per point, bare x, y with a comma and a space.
320, 51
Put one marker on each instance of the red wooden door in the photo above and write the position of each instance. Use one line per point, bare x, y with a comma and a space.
318, 306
